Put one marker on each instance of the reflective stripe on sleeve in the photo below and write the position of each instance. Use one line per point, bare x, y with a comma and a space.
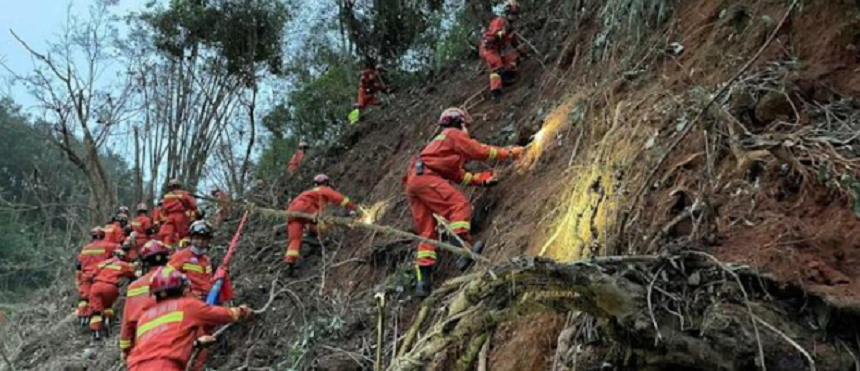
467, 178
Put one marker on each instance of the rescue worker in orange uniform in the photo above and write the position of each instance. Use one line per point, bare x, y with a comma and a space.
153, 254
142, 225
430, 192
179, 208
166, 332
225, 205
115, 231
105, 290
193, 261
312, 202
297, 158
501, 49
369, 83
94, 253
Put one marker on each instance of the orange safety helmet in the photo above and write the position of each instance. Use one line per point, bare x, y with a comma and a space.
454, 117
167, 281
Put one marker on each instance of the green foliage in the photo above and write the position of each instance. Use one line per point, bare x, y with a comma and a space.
42, 200
246, 33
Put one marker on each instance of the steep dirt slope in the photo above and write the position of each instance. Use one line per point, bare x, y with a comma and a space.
764, 178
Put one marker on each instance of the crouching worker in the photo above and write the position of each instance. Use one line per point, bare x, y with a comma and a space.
430, 190
167, 331
311, 202
108, 277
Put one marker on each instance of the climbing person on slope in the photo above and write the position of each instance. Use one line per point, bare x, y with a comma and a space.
225, 206
105, 290
193, 261
178, 209
91, 255
115, 231
153, 255
166, 332
297, 158
142, 226
311, 202
429, 190
369, 84
501, 49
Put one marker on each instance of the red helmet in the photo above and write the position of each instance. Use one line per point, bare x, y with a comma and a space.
154, 251
166, 280
321, 179
97, 232
454, 117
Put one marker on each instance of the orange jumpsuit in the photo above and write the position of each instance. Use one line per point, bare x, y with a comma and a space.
178, 208
296, 161
114, 233
431, 193
89, 259
310, 202
166, 331
498, 50
137, 299
368, 85
197, 268
225, 207
141, 224
105, 289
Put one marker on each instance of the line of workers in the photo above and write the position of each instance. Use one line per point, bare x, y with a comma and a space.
165, 256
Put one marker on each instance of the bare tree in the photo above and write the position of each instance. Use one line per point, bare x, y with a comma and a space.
68, 81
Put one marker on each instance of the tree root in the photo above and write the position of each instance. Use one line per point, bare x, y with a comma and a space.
617, 291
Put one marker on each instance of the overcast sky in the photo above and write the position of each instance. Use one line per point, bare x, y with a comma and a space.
37, 22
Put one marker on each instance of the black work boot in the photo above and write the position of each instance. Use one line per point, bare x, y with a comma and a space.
463, 262
290, 272
496, 94
424, 283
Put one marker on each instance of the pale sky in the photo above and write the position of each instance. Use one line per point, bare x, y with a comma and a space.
38, 21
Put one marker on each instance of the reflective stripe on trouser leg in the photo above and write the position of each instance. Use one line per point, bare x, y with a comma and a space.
495, 81
426, 255
96, 321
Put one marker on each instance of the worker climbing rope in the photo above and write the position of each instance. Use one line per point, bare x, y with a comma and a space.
166, 332
153, 255
109, 275
501, 49
91, 255
179, 208
311, 202
429, 190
